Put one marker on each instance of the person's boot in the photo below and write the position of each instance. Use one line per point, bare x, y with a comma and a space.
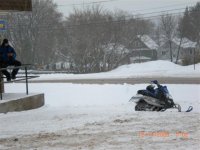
13, 76
8, 77
7, 74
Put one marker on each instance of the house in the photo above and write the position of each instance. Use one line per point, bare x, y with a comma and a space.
118, 49
115, 54
59, 66
185, 47
143, 49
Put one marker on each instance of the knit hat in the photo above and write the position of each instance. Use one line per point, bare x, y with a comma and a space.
5, 41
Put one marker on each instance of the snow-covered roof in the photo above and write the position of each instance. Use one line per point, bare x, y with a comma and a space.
117, 48
151, 44
186, 43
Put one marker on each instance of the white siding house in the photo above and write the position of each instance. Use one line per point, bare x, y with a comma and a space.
185, 46
143, 49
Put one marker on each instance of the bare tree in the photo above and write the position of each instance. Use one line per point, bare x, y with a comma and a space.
180, 32
34, 33
43, 37
168, 26
89, 31
92, 31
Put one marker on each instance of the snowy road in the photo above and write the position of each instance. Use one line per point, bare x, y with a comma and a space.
163, 71
110, 128
133, 80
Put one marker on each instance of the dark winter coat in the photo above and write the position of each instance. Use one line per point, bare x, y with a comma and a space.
4, 54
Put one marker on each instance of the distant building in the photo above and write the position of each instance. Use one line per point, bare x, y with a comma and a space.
185, 46
118, 49
60, 66
143, 49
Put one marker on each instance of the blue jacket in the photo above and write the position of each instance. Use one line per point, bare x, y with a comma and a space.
4, 52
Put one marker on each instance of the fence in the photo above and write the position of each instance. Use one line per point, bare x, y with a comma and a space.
18, 78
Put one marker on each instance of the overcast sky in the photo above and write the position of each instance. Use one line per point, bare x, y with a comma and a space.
132, 6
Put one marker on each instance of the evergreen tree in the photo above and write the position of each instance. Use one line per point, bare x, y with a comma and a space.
190, 23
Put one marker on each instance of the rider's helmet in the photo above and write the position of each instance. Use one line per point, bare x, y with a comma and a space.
150, 88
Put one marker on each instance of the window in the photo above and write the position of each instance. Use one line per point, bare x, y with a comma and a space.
163, 52
191, 51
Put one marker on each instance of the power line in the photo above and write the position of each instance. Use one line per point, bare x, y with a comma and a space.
167, 6
164, 11
156, 12
96, 2
88, 3
119, 21
161, 12
125, 21
105, 1
99, 23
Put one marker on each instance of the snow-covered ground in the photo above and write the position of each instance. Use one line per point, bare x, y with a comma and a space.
84, 116
157, 68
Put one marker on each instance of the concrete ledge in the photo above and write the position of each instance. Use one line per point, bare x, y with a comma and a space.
20, 102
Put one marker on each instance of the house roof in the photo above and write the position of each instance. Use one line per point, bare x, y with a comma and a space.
151, 44
117, 48
186, 43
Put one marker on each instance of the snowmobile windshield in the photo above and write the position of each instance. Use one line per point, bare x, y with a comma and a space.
161, 89
165, 90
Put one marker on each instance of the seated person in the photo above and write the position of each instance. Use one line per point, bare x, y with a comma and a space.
7, 58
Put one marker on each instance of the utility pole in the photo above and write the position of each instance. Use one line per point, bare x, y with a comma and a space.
194, 58
83, 5
2, 28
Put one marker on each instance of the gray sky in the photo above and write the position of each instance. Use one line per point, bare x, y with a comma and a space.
132, 6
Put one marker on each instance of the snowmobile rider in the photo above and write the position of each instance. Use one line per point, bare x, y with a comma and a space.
8, 58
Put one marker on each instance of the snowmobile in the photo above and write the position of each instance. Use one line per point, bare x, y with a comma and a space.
155, 99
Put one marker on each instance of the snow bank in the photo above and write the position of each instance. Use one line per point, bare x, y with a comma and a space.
148, 69
66, 94
81, 116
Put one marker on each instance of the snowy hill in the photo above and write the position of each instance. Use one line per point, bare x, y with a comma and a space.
157, 68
